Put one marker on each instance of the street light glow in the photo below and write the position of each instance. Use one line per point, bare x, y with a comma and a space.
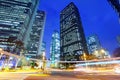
1, 49
103, 51
43, 53
96, 52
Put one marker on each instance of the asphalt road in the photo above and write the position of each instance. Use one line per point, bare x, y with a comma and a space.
60, 75
70, 75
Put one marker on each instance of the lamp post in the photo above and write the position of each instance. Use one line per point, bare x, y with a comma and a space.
43, 58
96, 53
1, 49
84, 56
1, 53
102, 53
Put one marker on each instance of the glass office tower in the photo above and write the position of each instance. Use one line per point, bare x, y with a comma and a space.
55, 49
73, 43
93, 43
15, 21
36, 36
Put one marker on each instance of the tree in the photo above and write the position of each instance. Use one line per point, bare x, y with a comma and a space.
19, 47
33, 64
19, 44
23, 62
10, 42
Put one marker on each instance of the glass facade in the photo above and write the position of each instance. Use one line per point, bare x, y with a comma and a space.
73, 43
15, 19
93, 43
55, 49
95, 48
36, 36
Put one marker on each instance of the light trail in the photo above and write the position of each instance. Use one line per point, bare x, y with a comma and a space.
89, 62
97, 63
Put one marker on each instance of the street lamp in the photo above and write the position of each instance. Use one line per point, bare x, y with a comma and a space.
1, 49
43, 58
102, 53
21, 52
102, 50
96, 53
84, 55
1, 53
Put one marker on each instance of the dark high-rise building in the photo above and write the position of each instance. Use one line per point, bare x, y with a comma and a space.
16, 17
36, 36
72, 39
116, 5
55, 49
118, 39
93, 43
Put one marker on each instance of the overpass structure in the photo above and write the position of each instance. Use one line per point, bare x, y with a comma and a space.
78, 63
16, 57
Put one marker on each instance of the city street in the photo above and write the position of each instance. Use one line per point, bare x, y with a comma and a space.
70, 75
60, 75
20, 75
59, 40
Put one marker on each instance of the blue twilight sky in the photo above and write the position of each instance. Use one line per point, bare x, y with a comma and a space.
97, 17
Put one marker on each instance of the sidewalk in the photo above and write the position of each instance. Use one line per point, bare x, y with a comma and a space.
21, 71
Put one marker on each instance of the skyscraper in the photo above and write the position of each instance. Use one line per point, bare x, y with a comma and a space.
36, 35
55, 49
118, 39
93, 43
73, 43
116, 5
15, 21
95, 48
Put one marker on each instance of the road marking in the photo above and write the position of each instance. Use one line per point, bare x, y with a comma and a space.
38, 74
